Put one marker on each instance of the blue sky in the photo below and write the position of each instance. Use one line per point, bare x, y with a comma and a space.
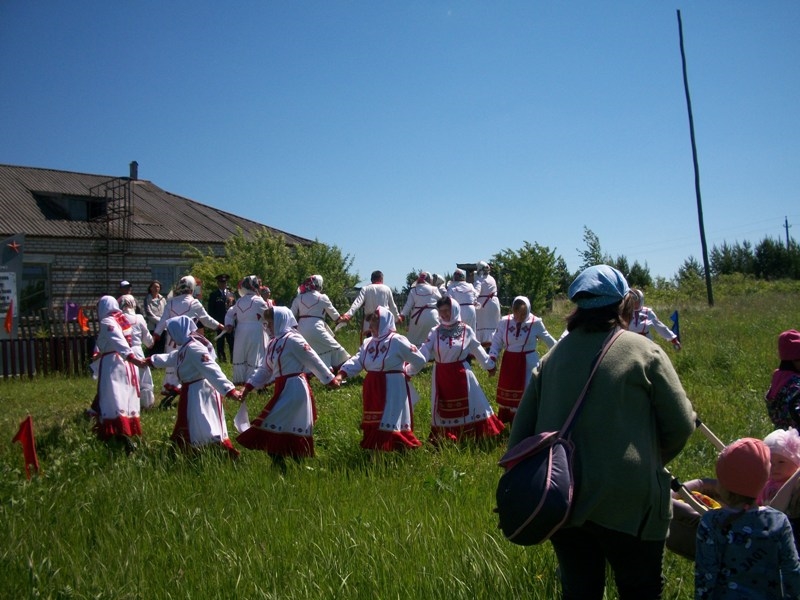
420, 134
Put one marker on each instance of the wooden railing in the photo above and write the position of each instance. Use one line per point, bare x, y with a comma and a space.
46, 343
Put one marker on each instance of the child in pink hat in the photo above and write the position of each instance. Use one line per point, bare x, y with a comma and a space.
783, 397
745, 550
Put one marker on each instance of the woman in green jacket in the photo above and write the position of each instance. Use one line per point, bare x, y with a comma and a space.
635, 419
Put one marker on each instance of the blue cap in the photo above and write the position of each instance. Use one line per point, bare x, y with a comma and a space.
605, 284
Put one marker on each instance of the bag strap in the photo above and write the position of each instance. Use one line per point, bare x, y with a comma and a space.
612, 337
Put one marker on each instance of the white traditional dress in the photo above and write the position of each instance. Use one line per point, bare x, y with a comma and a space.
117, 404
247, 315
420, 311
467, 297
181, 305
519, 340
310, 308
488, 313
140, 335
201, 417
387, 392
371, 297
285, 426
644, 319
459, 407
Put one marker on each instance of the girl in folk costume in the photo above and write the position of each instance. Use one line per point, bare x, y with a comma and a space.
183, 303
459, 406
488, 314
285, 426
251, 337
420, 309
644, 320
465, 294
517, 333
140, 335
387, 393
117, 402
310, 307
201, 417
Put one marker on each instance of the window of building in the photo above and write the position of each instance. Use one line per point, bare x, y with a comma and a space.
34, 293
63, 207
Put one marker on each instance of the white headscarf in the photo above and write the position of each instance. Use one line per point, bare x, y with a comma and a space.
107, 305
181, 329
128, 304
385, 322
455, 314
527, 306
283, 321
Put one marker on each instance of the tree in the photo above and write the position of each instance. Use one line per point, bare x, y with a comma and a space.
593, 254
639, 275
281, 267
531, 271
690, 271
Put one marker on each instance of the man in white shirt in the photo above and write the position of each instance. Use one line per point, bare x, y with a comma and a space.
371, 297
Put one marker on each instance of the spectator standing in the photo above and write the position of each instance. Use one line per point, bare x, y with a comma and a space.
154, 304
219, 301
635, 419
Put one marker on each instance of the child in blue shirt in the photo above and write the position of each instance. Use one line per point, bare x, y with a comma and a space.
745, 550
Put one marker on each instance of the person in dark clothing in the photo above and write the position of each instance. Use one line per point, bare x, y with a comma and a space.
219, 301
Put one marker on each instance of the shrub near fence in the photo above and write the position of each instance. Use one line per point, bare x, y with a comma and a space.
47, 343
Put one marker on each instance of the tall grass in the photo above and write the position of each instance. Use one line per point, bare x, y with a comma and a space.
97, 523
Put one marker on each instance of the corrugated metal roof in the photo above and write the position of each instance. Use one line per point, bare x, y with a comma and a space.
157, 214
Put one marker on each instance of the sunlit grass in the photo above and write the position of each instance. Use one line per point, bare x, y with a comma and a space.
348, 524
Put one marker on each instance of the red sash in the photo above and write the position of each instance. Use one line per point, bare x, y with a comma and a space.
511, 383
452, 396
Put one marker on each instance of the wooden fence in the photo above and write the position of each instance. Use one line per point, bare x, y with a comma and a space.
46, 343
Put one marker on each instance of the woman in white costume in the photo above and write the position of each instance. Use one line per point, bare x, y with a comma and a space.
517, 334
459, 407
488, 315
116, 406
644, 319
285, 426
251, 338
309, 308
465, 294
201, 417
140, 336
183, 303
387, 393
419, 310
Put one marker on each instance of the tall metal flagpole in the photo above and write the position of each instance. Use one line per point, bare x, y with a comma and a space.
696, 169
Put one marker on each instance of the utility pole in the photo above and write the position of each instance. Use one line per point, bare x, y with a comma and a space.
786, 227
696, 169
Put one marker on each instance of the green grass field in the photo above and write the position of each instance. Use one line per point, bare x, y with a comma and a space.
97, 523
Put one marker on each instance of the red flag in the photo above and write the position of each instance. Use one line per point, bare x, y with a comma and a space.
10, 316
25, 437
82, 320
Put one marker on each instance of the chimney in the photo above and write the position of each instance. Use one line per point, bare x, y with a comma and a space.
134, 170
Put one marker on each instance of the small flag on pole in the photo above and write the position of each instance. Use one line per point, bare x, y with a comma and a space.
25, 437
9, 324
676, 328
82, 320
